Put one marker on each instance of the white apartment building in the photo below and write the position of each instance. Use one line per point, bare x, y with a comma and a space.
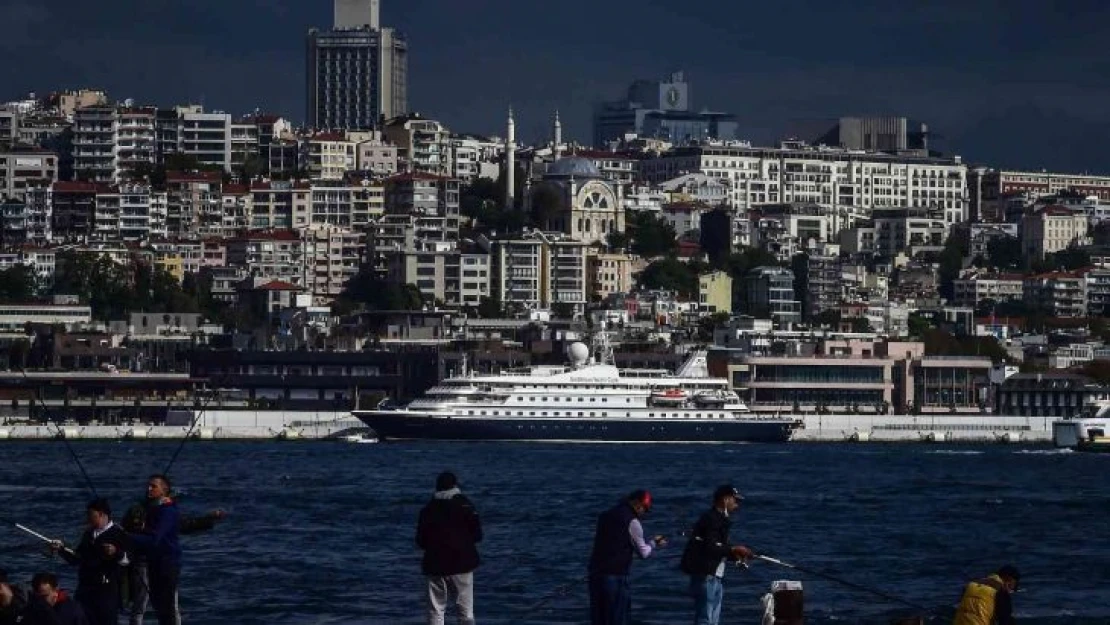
277, 205
989, 189
206, 136
851, 181
1052, 229
331, 155
94, 143
474, 157
194, 204
277, 255
423, 145
348, 205
377, 157
244, 142
684, 217
974, 287
538, 269
696, 188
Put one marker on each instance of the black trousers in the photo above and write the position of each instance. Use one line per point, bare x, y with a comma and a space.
163, 592
100, 603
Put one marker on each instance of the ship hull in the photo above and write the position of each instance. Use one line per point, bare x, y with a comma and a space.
413, 425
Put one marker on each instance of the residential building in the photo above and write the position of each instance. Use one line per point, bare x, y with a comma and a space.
684, 217
1097, 287
876, 134
611, 273
850, 182
352, 204
974, 287
331, 155
698, 188
423, 145
1052, 229
715, 292
274, 255
23, 168
357, 77
9, 126
456, 276
536, 270
769, 294
660, 109
205, 136
982, 234
377, 158
194, 204
432, 200
237, 210
332, 256
136, 144
817, 279
278, 205
1056, 294
908, 230
94, 143
246, 143
73, 209
472, 157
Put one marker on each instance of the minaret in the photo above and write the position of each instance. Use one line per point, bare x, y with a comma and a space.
557, 149
510, 162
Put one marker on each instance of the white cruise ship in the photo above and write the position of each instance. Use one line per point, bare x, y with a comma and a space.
589, 400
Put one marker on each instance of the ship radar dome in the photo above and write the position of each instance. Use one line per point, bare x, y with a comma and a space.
578, 353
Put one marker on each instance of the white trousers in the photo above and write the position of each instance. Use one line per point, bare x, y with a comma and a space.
451, 588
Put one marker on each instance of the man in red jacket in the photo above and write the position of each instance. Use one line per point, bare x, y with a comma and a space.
449, 531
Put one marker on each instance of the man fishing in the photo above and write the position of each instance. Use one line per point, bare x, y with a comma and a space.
449, 531
618, 538
159, 545
987, 601
99, 558
708, 552
137, 595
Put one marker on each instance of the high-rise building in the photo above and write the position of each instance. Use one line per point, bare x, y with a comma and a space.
357, 72
660, 109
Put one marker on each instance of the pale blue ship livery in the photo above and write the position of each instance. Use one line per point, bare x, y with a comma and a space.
589, 400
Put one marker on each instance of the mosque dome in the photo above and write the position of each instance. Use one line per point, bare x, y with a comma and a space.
574, 166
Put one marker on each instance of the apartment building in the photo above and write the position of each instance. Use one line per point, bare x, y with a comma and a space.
277, 255
1056, 294
851, 181
537, 269
24, 168
348, 204
769, 294
278, 205
136, 142
1052, 229
715, 292
194, 204
456, 275
73, 207
975, 287
332, 256
609, 274
423, 145
94, 143
990, 189
432, 200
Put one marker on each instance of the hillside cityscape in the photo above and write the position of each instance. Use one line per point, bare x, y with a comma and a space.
368, 250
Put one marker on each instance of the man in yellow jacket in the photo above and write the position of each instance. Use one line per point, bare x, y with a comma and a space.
987, 601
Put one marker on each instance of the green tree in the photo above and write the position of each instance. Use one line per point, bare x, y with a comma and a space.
716, 236
547, 206
617, 241
651, 236
956, 249
562, 310
671, 274
17, 284
366, 291
489, 308
1005, 253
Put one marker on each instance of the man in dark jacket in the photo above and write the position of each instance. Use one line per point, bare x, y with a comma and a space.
707, 553
51, 606
136, 595
13, 601
618, 538
448, 531
99, 558
159, 545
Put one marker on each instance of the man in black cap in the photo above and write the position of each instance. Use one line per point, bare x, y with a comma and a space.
13, 601
707, 553
618, 538
99, 559
987, 601
449, 531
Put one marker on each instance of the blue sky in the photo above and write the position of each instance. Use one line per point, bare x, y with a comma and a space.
1012, 83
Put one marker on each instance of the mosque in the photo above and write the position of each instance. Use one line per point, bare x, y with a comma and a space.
582, 203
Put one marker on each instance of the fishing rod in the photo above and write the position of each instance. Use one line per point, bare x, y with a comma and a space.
841, 581
62, 435
31, 532
188, 433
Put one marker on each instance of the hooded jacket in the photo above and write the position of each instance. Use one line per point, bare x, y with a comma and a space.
159, 540
449, 531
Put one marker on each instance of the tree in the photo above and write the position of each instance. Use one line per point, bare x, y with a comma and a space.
547, 206
956, 248
17, 284
617, 241
369, 292
651, 236
252, 167
715, 236
489, 308
562, 310
1005, 253
671, 274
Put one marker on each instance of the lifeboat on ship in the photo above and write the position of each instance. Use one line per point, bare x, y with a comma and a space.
669, 397
716, 398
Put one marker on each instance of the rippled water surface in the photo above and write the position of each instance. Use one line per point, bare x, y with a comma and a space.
323, 532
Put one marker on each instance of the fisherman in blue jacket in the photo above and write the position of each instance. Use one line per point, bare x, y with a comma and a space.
163, 552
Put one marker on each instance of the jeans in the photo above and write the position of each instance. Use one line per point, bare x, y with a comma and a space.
610, 600
100, 604
440, 591
163, 593
708, 592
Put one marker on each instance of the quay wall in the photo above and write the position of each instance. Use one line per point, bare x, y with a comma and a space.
912, 428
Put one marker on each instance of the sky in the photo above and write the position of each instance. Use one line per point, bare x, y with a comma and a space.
1009, 83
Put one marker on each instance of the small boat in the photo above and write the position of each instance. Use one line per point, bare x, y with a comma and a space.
669, 397
1007, 437
1095, 445
287, 434
855, 436
362, 438
716, 397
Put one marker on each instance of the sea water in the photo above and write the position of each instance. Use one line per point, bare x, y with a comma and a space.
323, 532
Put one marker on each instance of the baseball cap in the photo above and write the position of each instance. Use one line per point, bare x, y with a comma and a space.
642, 496
727, 490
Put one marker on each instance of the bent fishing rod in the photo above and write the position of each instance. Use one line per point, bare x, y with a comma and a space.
62, 435
841, 581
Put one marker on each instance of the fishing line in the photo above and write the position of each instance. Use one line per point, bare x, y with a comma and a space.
843, 582
188, 433
62, 435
